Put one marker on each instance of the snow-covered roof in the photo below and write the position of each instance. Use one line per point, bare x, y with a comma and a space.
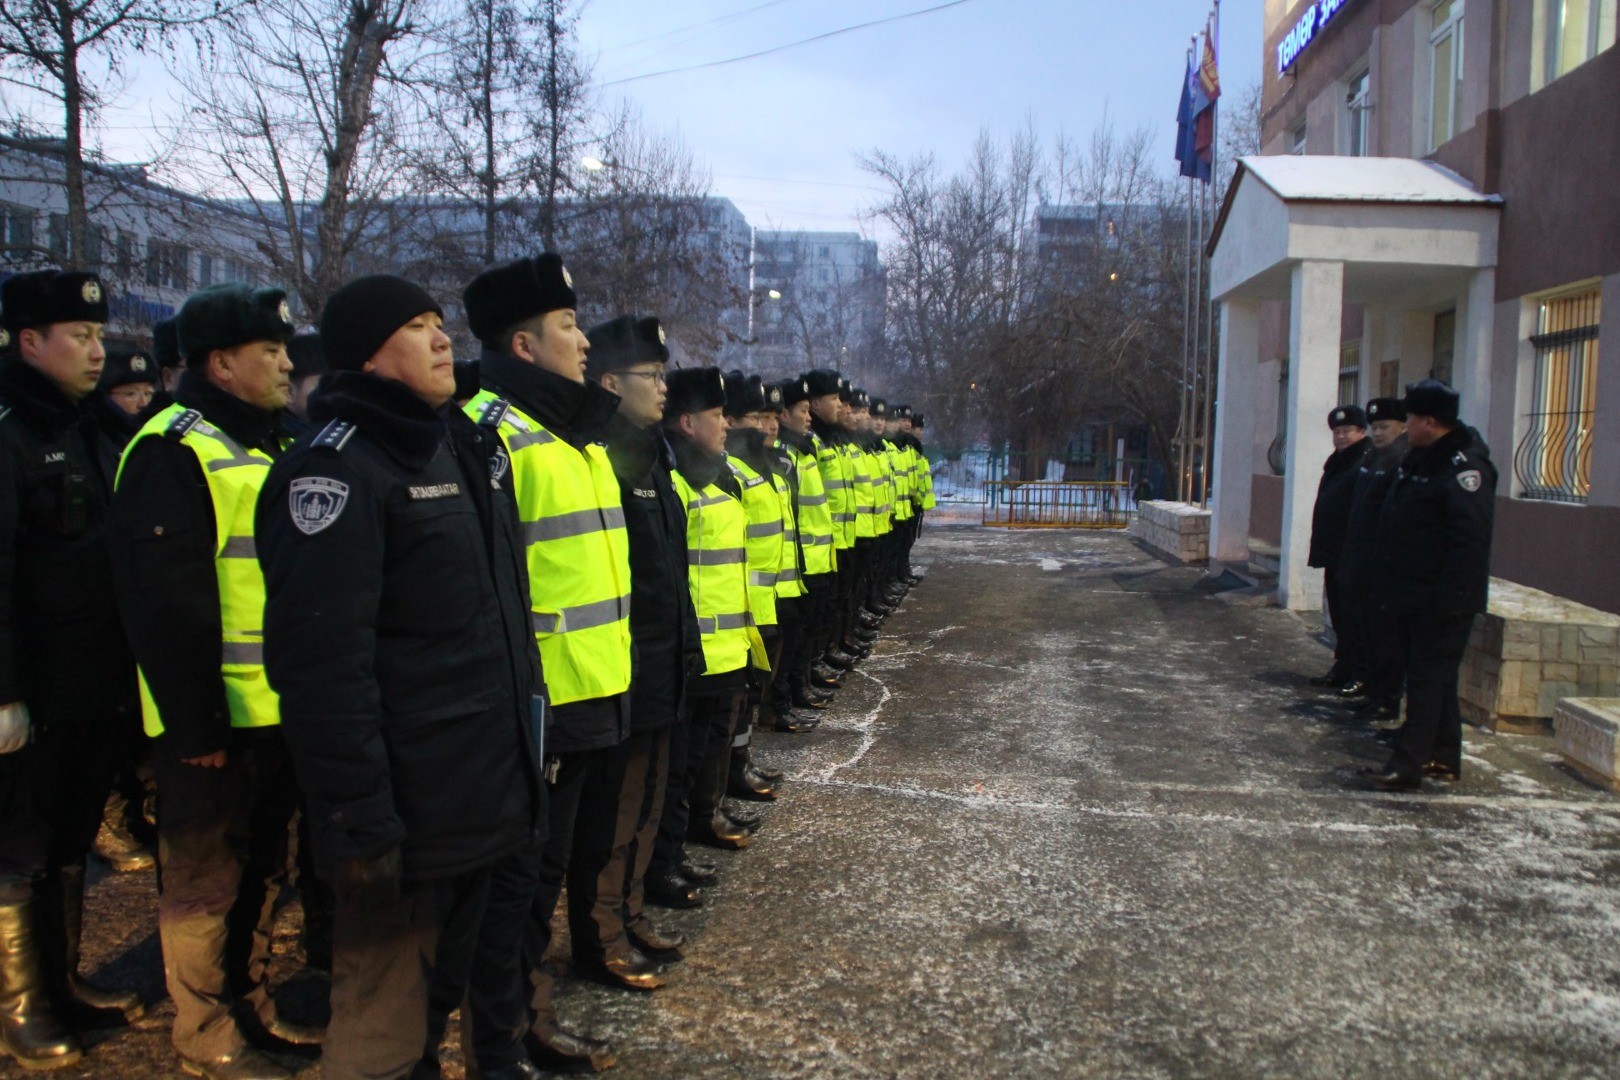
1361, 179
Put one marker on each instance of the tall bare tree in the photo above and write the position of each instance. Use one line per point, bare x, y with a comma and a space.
72, 55
297, 120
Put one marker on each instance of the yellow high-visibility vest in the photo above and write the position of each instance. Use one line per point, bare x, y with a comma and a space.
577, 552
865, 497
838, 477
234, 475
814, 520
765, 529
717, 575
900, 467
789, 579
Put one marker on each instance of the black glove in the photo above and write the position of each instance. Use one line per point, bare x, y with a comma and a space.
370, 885
694, 664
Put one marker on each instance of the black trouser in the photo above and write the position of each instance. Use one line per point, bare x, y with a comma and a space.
1433, 645
487, 958
909, 539
810, 639
585, 779
599, 928
222, 846
1346, 660
53, 791
384, 962
710, 710
594, 903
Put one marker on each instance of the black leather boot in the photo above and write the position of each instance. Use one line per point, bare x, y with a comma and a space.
115, 843
99, 1001
744, 782
30, 1031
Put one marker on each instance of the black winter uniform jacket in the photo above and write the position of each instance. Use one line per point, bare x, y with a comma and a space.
1434, 534
1331, 515
1373, 477
397, 632
62, 650
663, 625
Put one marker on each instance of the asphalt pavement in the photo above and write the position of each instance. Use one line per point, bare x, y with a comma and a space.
1078, 817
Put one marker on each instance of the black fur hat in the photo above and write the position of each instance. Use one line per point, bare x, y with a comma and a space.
693, 390
503, 296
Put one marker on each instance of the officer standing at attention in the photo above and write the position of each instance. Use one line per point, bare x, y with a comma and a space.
192, 597
67, 680
1329, 519
397, 636
627, 357
792, 685
1434, 562
717, 560
171, 365
748, 415
1360, 617
838, 477
552, 420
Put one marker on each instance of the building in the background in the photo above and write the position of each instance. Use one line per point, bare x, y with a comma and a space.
817, 301
1435, 197
153, 245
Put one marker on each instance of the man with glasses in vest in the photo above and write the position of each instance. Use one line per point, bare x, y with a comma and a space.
552, 420
192, 598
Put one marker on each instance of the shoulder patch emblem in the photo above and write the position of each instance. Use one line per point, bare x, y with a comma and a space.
1470, 480
315, 502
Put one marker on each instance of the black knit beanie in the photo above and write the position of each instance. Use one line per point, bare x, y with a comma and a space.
363, 314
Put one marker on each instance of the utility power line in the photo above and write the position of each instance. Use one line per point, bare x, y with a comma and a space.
789, 45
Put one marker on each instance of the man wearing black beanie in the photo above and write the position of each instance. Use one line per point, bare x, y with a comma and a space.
397, 636
551, 419
192, 600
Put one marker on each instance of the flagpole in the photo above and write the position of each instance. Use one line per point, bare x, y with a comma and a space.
1210, 345
1197, 334
1184, 424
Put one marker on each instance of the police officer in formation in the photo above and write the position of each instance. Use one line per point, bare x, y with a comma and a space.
1414, 543
192, 596
67, 677
465, 644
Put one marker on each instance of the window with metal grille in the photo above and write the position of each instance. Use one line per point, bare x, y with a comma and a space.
1554, 459
1350, 373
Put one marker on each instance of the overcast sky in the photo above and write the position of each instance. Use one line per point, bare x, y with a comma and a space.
781, 134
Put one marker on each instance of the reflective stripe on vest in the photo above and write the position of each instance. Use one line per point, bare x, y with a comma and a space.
577, 551
718, 580
763, 537
234, 476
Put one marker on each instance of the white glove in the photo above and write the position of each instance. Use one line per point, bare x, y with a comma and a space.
15, 727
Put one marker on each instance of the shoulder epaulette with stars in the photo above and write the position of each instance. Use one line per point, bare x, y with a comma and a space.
493, 413
335, 435
182, 424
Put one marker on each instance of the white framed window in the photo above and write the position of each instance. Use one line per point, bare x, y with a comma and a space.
1296, 138
1575, 32
1357, 114
1445, 70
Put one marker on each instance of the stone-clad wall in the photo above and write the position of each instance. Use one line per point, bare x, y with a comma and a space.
1179, 530
1529, 651
1587, 730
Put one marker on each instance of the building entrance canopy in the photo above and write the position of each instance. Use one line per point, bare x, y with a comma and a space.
1318, 233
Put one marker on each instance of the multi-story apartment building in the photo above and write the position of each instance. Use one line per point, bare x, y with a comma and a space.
1435, 196
153, 245
817, 300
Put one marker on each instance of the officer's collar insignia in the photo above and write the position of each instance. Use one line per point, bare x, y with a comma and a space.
91, 291
315, 502
1470, 480
137, 363
500, 463
1459, 458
